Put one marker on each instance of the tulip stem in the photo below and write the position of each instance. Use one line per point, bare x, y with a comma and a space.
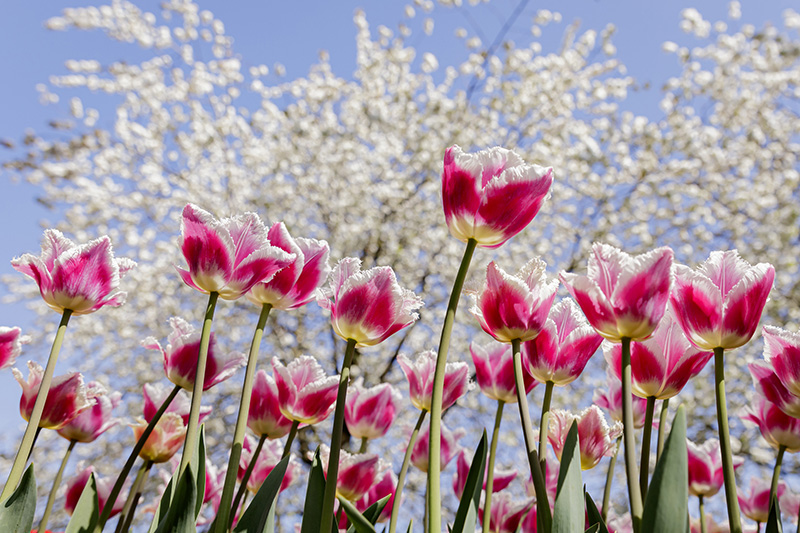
199, 381
498, 418
434, 519
538, 476
629, 438
644, 471
398, 491
56, 485
776, 473
544, 424
129, 510
725, 443
241, 422
112, 497
28, 438
364, 444
609, 479
329, 497
662, 429
287, 448
703, 526
243, 484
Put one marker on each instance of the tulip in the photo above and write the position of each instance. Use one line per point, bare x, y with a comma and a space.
265, 416
94, 421
296, 284
705, 467
164, 441
11, 342
76, 484
770, 386
369, 412
384, 486
268, 457
502, 478
611, 400
155, 394
781, 352
777, 428
357, 472
420, 379
478, 188
494, 371
755, 504
68, 396
595, 437
506, 515
305, 393
449, 447
215, 477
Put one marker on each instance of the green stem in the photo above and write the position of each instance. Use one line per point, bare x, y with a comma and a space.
434, 469
26, 445
544, 425
542, 502
129, 511
398, 491
112, 497
662, 427
243, 484
498, 417
364, 444
629, 438
290, 439
703, 527
609, 478
329, 497
725, 443
241, 422
644, 471
199, 380
776, 473
56, 485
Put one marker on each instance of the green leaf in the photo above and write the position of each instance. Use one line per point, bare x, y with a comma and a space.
361, 524
163, 505
593, 529
198, 462
312, 508
594, 515
410, 524
16, 513
87, 511
569, 515
668, 495
774, 521
255, 517
180, 518
373, 512
467, 514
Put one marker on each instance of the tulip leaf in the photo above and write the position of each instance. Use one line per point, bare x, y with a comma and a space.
198, 462
179, 518
312, 508
16, 513
467, 514
593, 514
358, 520
87, 511
593, 529
256, 517
569, 515
668, 495
373, 512
774, 521
163, 505
411, 523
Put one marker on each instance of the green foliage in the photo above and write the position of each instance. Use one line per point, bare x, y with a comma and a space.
774, 521
16, 513
87, 511
180, 517
256, 517
668, 495
312, 508
467, 514
593, 514
569, 515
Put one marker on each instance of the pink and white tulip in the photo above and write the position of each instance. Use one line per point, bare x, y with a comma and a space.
623, 296
770, 386
449, 447
662, 365
478, 188
81, 278
67, 398
705, 467
76, 484
11, 341
777, 428
296, 284
494, 371
267, 459
215, 481
367, 306
506, 514
265, 416
755, 503
611, 401
227, 256
306, 394
369, 412
514, 307
420, 379
782, 352
595, 437
165, 440
357, 474
561, 351
719, 304
711, 526
384, 486
154, 394
502, 478
180, 357
97, 419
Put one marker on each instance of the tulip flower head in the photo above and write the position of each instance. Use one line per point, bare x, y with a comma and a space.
561, 351
420, 379
154, 394
595, 437
782, 352
384, 486
180, 357
357, 472
296, 284
97, 419
11, 342
623, 295
81, 278
227, 256
76, 484
449, 446
719, 304
67, 398
502, 478
477, 190
705, 467
306, 394
369, 412
611, 401
267, 459
514, 307
367, 306
777, 428
165, 440
755, 503
264, 416
506, 514
494, 371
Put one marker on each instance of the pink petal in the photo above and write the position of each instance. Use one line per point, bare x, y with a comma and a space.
724, 269
207, 247
593, 303
641, 294
697, 307
744, 305
782, 352
461, 196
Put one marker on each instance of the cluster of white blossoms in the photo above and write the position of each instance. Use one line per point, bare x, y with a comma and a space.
357, 160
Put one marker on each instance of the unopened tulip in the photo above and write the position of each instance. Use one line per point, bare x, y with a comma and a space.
367, 306
81, 278
227, 256
165, 440
596, 438
265, 416
782, 352
180, 357
502, 478
11, 342
96, 420
67, 398
494, 371
267, 459
449, 447
506, 514
306, 394
477, 190
369, 412
770, 386
705, 467
561, 351
777, 428
719, 304
154, 394
296, 284
420, 379
755, 504
76, 484
611, 400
